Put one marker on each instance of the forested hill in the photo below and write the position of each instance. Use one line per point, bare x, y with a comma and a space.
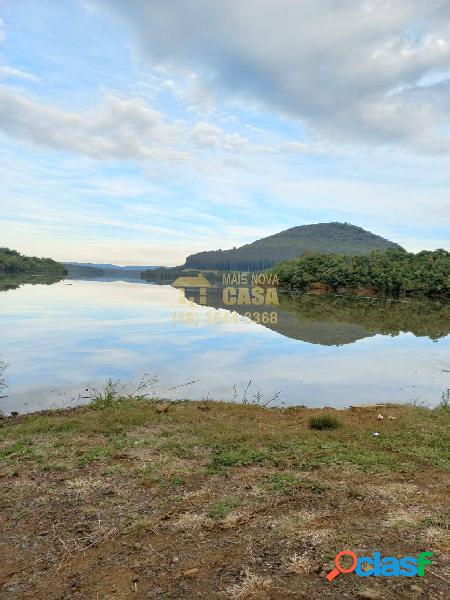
14, 262
391, 272
321, 238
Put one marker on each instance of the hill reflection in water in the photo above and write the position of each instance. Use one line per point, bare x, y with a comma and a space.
332, 320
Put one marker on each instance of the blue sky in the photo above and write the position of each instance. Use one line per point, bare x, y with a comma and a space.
138, 133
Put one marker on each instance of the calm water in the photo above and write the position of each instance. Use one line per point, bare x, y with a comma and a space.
61, 337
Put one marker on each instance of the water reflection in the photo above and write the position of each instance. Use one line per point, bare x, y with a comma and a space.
12, 282
68, 335
337, 320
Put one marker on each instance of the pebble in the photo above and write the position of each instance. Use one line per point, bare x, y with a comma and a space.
191, 572
416, 589
370, 595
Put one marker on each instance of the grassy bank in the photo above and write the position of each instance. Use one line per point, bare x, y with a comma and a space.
215, 500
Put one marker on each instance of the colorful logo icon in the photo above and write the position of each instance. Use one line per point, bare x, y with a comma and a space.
377, 566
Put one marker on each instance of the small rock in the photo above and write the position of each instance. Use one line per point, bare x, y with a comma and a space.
392, 418
259, 560
175, 559
322, 574
163, 407
370, 595
416, 589
191, 572
14, 413
380, 417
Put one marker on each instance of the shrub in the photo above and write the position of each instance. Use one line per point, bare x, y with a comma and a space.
444, 404
323, 422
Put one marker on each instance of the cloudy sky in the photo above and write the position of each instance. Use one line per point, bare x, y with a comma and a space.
139, 132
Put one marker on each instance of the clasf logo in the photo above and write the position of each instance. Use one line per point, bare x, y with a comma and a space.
387, 566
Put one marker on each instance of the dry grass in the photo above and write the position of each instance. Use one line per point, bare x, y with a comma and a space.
192, 522
253, 587
292, 524
300, 564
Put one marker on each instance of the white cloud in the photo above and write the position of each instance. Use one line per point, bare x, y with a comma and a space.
9, 72
350, 69
119, 129
206, 134
6, 71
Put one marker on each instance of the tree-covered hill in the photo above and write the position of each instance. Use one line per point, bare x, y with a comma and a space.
322, 238
391, 272
12, 262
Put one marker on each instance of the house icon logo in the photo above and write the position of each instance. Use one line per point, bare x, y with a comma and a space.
198, 282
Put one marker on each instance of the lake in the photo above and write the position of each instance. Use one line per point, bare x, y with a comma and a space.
61, 337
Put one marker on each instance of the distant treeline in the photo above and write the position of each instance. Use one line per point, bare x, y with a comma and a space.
12, 262
390, 272
252, 258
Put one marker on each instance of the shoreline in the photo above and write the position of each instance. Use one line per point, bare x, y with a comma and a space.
17, 417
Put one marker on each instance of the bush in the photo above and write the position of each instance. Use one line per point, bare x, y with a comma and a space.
323, 422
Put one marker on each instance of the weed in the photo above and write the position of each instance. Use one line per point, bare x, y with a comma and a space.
282, 482
222, 508
444, 404
115, 391
16, 450
94, 453
3, 384
248, 396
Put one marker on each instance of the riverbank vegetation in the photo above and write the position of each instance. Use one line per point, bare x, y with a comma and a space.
391, 272
12, 262
138, 498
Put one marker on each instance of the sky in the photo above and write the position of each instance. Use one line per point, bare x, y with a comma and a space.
141, 132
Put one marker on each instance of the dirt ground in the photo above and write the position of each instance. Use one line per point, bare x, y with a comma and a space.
219, 501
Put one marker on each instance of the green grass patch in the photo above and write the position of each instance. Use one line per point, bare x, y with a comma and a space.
100, 453
222, 508
19, 449
235, 457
